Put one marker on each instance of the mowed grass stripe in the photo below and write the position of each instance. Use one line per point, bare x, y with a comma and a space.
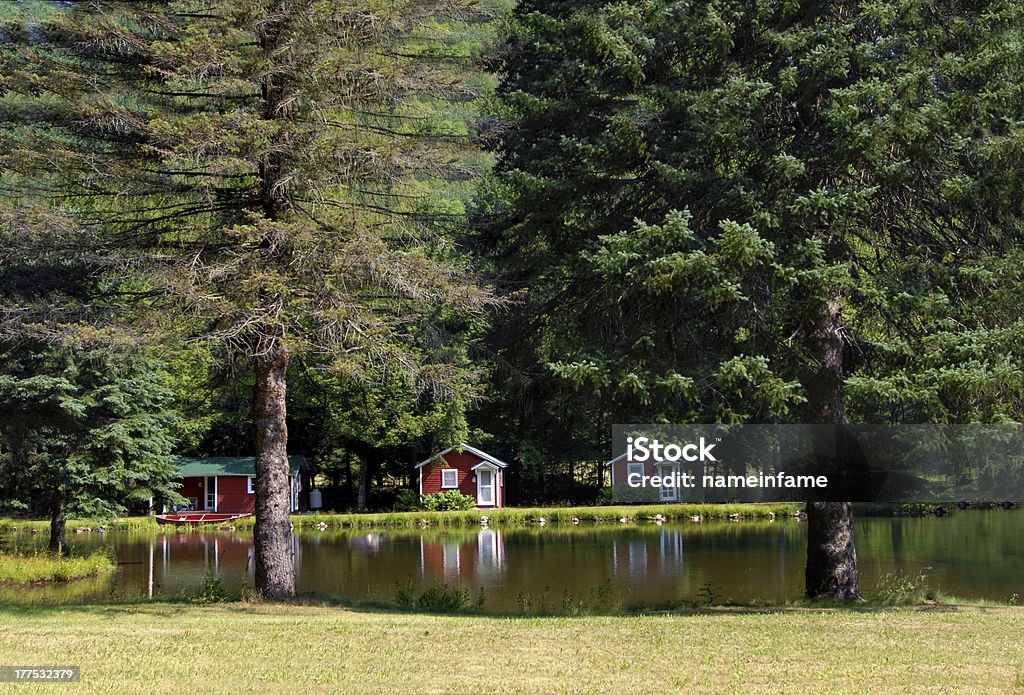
288, 648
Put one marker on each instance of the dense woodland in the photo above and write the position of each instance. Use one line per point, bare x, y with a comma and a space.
367, 231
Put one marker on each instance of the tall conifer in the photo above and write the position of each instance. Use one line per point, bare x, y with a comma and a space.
746, 211
271, 175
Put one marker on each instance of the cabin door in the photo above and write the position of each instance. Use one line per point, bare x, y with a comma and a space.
210, 486
669, 493
485, 487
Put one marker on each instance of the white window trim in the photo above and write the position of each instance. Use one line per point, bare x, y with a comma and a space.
632, 468
251, 485
455, 471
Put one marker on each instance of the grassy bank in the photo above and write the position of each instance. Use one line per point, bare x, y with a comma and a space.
512, 516
39, 568
177, 647
508, 516
42, 526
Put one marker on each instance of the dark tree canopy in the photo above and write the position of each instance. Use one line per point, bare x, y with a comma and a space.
759, 212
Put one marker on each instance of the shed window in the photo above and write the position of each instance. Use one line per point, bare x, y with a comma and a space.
449, 477
632, 468
251, 489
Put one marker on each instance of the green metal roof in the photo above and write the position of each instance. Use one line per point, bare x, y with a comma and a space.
228, 465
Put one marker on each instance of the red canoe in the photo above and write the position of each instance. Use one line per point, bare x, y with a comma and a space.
197, 518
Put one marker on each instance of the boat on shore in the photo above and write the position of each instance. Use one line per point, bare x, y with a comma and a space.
187, 518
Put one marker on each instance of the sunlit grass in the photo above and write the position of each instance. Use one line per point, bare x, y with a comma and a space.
38, 567
293, 648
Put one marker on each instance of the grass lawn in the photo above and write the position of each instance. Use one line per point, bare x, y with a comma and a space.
294, 648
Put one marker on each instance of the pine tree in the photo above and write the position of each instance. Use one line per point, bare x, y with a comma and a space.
742, 212
270, 175
85, 427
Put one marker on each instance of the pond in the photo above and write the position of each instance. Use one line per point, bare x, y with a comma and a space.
974, 554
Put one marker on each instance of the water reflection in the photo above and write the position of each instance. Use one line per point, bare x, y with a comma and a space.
466, 560
647, 558
177, 563
972, 554
370, 543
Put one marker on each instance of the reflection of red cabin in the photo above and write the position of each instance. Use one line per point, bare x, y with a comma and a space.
468, 559
470, 471
225, 483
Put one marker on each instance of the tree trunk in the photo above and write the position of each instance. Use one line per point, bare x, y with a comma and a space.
58, 523
349, 481
366, 474
831, 555
274, 569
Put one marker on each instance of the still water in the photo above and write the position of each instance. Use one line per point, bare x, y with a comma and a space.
973, 554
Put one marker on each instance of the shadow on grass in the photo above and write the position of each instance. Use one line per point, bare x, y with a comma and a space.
902, 595
316, 600
164, 608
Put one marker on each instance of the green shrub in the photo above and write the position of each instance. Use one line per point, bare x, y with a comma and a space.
450, 501
438, 598
709, 594
407, 501
897, 589
212, 591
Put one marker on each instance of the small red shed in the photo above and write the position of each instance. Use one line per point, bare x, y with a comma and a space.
468, 470
225, 484
624, 493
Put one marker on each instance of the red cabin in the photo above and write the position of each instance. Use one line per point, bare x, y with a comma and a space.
224, 484
470, 471
623, 493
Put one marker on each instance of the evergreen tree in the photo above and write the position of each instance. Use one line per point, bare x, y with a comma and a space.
742, 212
84, 427
270, 175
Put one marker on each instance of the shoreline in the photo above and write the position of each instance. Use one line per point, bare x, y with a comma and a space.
507, 516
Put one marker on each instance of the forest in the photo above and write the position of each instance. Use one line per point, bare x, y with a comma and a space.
366, 231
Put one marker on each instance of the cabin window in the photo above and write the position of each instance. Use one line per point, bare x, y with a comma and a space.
449, 477
252, 485
632, 468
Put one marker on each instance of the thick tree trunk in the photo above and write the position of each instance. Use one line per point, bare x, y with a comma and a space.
275, 571
58, 524
831, 555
